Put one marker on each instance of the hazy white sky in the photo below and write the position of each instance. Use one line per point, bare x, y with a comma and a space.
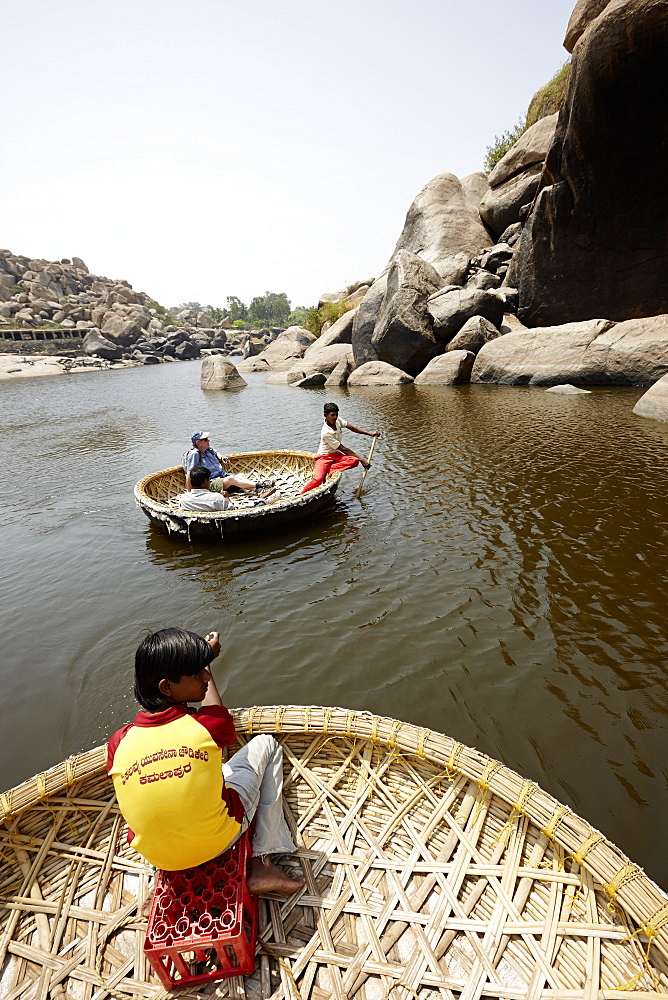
209, 148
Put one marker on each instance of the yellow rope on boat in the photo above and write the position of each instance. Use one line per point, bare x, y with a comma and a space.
625, 875
392, 742
6, 805
451, 766
554, 821
591, 842
650, 929
283, 964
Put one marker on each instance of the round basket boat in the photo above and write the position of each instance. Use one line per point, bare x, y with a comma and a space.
431, 871
157, 495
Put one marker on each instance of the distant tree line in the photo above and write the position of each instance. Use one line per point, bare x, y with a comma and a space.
270, 309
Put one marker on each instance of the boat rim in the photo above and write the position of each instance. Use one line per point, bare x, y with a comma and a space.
625, 883
305, 500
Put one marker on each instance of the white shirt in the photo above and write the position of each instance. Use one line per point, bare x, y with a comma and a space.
204, 500
330, 437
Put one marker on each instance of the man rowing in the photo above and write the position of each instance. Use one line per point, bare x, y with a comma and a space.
333, 456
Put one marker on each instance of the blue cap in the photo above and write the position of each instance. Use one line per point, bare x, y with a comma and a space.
198, 435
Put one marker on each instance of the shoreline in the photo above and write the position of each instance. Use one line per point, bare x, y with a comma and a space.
21, 366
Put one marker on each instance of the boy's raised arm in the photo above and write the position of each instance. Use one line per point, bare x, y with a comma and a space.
212, 697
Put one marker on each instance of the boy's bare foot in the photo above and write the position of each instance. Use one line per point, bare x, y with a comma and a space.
266, 877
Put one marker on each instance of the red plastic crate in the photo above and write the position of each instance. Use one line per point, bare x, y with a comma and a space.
203, 921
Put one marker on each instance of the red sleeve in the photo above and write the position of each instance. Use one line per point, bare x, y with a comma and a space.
218, 722
220, 725
112, 745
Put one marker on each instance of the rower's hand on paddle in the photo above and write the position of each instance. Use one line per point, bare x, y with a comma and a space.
365, 464
375, 434
213, 638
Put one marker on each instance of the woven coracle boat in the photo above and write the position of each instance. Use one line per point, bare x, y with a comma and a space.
431, 871
157, 495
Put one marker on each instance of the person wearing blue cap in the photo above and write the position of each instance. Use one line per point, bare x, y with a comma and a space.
203, 454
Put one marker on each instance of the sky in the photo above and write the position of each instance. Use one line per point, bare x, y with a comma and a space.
210, 148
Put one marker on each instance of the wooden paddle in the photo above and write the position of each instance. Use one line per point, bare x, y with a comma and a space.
358, 492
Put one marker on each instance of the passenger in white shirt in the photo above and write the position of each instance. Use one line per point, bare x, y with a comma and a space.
332, 456
200, 497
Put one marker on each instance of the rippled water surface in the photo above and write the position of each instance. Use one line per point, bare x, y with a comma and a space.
502, 580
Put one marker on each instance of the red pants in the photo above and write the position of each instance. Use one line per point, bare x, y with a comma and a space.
324, 464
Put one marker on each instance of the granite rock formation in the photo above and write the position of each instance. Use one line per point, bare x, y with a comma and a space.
595, 242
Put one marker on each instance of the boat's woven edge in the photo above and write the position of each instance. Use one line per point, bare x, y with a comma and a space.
154, 506
626, 885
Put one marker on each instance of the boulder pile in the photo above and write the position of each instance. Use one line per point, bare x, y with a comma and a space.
115, 320
554, 267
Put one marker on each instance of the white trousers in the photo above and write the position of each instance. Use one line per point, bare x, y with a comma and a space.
256, 773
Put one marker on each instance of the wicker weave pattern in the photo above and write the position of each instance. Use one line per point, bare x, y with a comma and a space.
431, 871
157, 494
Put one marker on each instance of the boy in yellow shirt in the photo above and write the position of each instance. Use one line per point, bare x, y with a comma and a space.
182, 806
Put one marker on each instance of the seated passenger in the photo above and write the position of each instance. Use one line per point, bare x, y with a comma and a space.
203, 454
200, 496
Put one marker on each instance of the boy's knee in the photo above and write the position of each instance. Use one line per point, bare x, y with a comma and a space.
265, 742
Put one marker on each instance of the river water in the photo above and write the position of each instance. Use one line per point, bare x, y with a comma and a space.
502, 580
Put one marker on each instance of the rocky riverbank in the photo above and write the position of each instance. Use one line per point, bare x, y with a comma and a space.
551, 269
42, 301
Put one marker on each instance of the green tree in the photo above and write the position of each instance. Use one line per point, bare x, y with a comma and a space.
216, 313
195, 306
502, 144
237, 310
297, 316
270, 309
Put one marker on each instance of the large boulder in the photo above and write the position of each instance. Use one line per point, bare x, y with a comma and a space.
442, 222
654, 403
454, 270
187, 351
364, 322
584, 12
283, 353
593, 352
311, 381
324, 359
476, 332
448, 369
503, 205
286, 378
340, 332
340, 375
403, 334
531, 148
595, 241
475, 187
378, 373
218, 373
450, 308
120, 328
95, 345
253, 365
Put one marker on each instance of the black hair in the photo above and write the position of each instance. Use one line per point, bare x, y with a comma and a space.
167, 655
330, 408
199, 475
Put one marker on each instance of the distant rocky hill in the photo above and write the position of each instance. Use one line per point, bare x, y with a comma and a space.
114, 320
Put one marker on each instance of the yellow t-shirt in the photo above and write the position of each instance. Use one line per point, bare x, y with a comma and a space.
167, 772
